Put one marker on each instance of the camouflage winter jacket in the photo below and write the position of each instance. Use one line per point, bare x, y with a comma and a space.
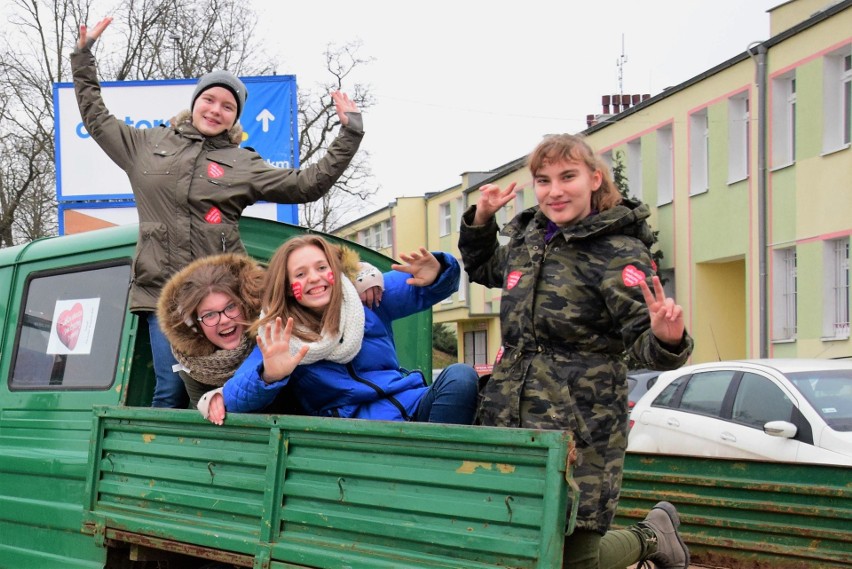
567, 316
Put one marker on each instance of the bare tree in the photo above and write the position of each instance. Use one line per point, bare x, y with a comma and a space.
318, 120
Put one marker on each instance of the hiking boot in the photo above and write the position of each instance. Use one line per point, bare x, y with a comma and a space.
671, 552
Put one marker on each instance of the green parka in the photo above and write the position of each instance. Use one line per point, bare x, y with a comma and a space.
568, 314
191, 190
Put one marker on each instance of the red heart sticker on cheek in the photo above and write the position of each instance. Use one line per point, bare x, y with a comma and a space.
330, 278
68, 325
297, 290
632, 276
512, 279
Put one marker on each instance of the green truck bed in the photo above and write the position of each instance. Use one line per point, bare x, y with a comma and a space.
286, 491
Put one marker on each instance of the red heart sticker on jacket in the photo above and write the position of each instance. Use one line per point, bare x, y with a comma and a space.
215, 171
68, 325
632, 276
512, 279
213, 215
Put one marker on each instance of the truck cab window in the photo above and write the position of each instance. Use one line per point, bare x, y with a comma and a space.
69, 332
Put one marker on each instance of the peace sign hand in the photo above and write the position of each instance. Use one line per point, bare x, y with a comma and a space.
666, 315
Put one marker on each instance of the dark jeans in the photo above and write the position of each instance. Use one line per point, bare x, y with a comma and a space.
451, 398
169, 390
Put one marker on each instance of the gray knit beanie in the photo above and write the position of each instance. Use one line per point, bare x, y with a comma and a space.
224, 79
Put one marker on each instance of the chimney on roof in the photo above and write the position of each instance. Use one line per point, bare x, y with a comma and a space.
605, 101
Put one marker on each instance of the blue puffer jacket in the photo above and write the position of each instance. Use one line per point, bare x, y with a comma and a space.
371, 386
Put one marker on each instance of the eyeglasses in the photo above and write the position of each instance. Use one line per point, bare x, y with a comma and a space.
212, 318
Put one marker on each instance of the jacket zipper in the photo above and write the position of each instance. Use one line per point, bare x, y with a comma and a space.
378, 390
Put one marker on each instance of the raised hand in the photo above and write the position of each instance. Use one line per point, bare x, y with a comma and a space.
274, 343
343, 104
666, 315
422, 265
93, 34
491, 199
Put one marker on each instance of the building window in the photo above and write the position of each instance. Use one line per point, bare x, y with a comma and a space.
784, 294
837, 93
784, 121
476, 348
699, 153
519, 201
459, 211
388, 233
738, 137
665, 166
836, 295
634, 168
445, 219
463, 283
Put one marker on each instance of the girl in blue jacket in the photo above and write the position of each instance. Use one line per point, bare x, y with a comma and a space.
337, 355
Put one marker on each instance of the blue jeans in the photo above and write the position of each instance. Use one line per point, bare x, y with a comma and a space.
451, 398
169, 390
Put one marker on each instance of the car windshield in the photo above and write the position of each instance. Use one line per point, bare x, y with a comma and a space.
830, 393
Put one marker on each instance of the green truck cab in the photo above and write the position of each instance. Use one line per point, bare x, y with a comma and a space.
92, 477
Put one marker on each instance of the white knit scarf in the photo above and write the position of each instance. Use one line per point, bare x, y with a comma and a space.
345, 345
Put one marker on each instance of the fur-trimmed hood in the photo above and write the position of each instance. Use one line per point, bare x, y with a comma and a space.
184, 334
184, 118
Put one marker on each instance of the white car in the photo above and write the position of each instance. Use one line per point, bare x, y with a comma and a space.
788, 410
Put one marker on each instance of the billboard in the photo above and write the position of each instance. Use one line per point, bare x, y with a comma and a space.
85, 174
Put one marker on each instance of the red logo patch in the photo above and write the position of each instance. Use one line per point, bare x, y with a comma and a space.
632, 276
513, 279
214, 215
214, 170
68, 325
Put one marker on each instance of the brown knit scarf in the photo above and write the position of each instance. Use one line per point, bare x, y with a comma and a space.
218, 367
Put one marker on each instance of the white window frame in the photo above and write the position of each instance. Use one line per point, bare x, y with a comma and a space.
634, 168
665, 165
463, 284
784, 120
784, 282
459, 211
739, 137
837, 99
475, 346
519, 201
445, 219
387, 231
699, 152
836, 292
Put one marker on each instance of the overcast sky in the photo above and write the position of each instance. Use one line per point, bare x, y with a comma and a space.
468, 85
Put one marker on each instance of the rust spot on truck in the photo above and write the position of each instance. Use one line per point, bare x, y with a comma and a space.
469, 467
148, 437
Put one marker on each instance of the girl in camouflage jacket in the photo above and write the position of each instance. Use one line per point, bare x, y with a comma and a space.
575, 298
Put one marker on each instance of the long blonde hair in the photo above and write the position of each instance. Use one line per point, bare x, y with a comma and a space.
564, 147
278, 299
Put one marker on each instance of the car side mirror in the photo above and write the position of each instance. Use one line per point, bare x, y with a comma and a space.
784, 429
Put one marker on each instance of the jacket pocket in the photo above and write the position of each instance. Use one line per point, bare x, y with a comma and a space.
221, 237
151, 264
162, 161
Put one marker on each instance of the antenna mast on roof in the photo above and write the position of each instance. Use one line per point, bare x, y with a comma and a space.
622, 59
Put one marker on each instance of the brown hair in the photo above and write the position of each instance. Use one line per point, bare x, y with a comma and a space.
563, 147
237, 277
278, 299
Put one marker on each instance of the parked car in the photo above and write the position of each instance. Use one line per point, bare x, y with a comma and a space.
790, 410
639, 381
